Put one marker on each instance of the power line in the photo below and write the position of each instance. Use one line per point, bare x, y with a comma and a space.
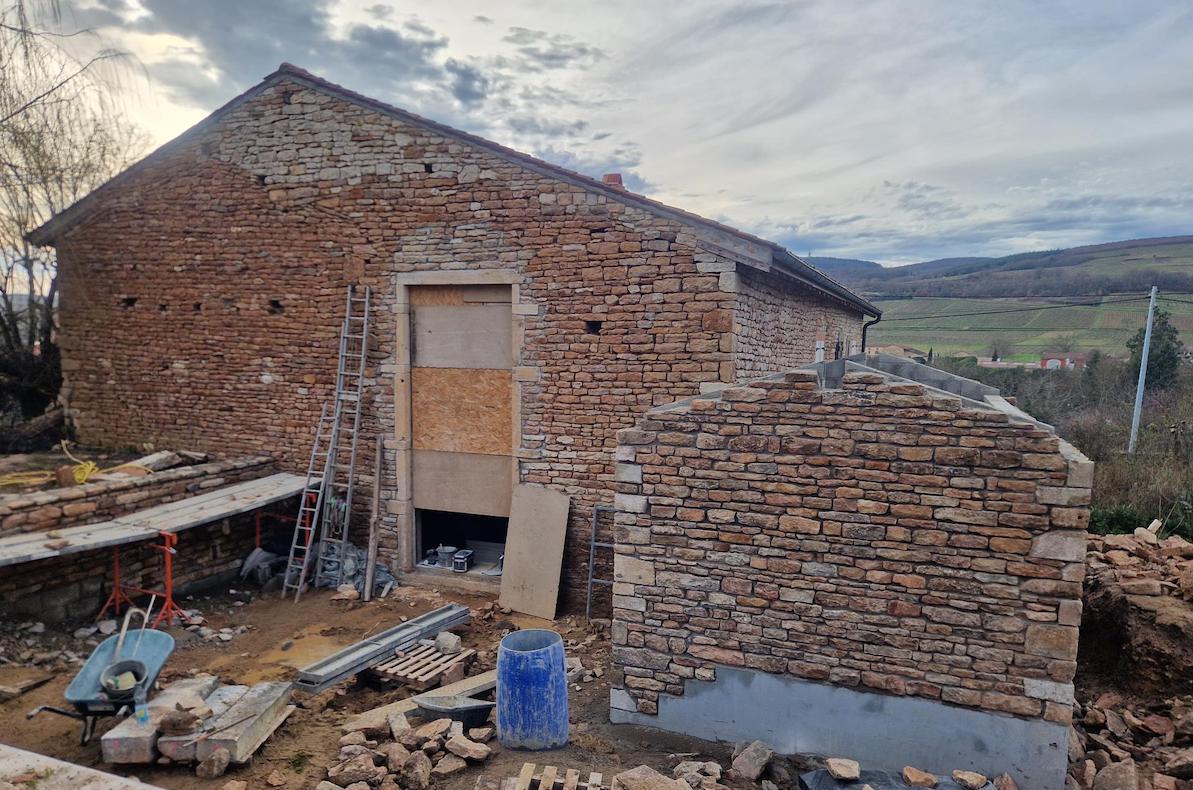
1101, 303
1024, 329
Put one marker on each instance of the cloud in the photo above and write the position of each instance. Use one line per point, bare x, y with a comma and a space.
895, 132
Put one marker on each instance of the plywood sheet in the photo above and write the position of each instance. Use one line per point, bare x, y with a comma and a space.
462, 482
463, 336
534, 550
462, 411
458, 294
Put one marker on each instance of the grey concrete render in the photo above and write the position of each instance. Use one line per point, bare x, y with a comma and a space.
880, 731
58, 773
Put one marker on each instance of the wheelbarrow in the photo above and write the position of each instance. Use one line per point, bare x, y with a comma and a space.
92, 699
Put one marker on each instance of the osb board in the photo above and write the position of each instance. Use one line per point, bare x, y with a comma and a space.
458, 294
462, 410
534, 550
462, 336
462, 482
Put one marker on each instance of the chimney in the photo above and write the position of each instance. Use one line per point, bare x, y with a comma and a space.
613, 180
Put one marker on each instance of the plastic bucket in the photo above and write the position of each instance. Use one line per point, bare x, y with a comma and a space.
532, 691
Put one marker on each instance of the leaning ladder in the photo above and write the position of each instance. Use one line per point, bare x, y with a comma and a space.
593, 545
340, 475
308, 507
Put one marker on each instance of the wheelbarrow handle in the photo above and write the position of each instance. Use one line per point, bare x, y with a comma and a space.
52, 709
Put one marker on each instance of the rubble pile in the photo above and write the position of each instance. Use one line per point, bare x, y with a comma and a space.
1115, 744
403, 756
30, 644
1143, 563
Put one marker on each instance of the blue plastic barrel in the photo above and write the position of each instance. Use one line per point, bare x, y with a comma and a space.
532, 691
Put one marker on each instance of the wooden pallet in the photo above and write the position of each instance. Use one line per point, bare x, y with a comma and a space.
552, 778
422, 667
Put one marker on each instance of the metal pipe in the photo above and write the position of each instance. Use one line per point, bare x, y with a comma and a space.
1147, 345
865, 328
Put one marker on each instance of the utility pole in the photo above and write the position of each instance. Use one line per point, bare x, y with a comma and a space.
1147, 346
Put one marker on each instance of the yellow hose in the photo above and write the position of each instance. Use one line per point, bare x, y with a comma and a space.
82, 471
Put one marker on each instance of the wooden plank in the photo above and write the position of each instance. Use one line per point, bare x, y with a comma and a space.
462, 482
524, 776
547, 780
473, 336
374, 521
462, 410
594, 780
534, 550
16, 688
477, 684
571, 779
145, 524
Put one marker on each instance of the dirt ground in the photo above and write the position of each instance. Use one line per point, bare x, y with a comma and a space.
282, 636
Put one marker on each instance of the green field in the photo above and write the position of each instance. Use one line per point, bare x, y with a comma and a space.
1021, 336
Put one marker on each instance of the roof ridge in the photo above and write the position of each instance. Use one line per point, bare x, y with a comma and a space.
66, 219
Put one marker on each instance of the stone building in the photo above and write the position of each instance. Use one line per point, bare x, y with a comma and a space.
868, 558
522, 313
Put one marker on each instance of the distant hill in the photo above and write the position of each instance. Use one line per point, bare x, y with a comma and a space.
840, 267
1092, 270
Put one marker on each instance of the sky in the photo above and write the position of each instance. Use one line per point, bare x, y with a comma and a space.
889, 130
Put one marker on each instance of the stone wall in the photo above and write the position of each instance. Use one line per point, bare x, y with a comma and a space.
778, 324
224, 261
74, 506
883, 537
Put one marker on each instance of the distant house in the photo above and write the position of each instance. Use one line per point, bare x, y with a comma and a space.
1063, 360
899, 351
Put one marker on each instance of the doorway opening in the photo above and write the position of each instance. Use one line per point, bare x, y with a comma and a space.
460, 543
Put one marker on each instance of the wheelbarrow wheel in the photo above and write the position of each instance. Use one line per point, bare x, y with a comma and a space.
88, 729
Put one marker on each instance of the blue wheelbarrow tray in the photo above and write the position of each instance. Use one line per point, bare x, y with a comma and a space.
88, 696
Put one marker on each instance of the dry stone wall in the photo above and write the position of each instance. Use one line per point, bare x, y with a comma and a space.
778, 325
882, 536
201, 303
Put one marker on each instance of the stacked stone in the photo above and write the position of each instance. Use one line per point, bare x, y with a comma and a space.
73, 506
201, 303
883, 536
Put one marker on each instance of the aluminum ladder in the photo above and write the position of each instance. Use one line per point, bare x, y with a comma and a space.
308, 508
593, 545
340, 474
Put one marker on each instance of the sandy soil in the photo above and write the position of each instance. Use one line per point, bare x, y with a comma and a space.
307, 743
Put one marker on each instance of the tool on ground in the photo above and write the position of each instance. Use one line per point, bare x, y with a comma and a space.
593, 545
144, 622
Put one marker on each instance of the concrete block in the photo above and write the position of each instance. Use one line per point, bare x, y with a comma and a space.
1048, 690
632, 503
265, 704
132, 742
628, 473
181, 748
1064, 545
633, 570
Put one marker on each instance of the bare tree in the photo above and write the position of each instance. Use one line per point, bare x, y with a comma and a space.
61, 135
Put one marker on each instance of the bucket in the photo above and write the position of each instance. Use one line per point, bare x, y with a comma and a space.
444, 556
532, 691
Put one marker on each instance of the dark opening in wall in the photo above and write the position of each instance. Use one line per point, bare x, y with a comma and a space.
163, 307
287, 97
593, 327
275, 307
484, 536
261, 180
197, 306
427, 167
128, 302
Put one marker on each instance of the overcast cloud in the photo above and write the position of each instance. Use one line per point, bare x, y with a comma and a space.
894, 131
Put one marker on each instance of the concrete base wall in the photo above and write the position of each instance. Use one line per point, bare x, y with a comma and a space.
800, 717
